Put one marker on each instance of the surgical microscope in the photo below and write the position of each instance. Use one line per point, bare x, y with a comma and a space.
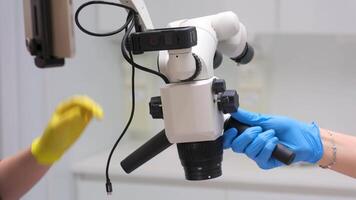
193, 104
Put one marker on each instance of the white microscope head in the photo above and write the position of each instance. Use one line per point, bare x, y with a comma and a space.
222, 33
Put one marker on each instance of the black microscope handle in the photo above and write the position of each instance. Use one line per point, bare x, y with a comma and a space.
281, 153
146, 152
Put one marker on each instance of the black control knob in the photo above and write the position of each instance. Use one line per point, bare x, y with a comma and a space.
219, 86
228, 102
156, 108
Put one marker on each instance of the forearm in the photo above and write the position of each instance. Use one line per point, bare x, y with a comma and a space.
21, 172
345, 152
18, 174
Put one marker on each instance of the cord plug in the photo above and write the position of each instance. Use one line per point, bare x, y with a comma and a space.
108, 187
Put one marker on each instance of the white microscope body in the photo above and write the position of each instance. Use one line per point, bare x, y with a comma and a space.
194, 101
190, 108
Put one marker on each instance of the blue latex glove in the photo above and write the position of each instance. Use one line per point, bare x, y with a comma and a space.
259, 141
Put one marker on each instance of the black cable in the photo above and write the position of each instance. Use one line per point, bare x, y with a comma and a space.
131, 22
132, 16
133, 63
127, 58
108, 182
76, 18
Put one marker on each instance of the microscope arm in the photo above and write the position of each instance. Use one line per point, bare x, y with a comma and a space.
140, 7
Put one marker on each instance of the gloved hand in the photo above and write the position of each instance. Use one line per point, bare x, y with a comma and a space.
66, 125
259, 141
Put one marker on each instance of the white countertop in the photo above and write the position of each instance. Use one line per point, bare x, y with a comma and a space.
238, 171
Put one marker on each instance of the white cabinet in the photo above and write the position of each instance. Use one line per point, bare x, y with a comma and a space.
94, 190
318, 16
256, 195
163, 179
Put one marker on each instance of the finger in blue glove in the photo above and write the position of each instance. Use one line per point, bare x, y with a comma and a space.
240, 143
252, 119
299, 137
264, 160
228, 137
257, 145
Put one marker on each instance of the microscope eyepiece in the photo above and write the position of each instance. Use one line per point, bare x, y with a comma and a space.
246, 56
201, 160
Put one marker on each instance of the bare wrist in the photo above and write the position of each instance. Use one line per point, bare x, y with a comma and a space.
329, 149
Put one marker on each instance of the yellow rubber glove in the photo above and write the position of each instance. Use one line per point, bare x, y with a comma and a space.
66, 125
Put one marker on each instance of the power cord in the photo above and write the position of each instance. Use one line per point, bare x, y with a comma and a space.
132, 17
108, 182
132, 12
131, 22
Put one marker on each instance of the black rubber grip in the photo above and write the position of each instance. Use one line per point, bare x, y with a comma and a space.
146, 152
281, 153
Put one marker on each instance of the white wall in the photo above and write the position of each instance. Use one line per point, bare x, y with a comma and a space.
9, 113
267, 16
258, 16
318, 16
29, 96
22, 99
312, 78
